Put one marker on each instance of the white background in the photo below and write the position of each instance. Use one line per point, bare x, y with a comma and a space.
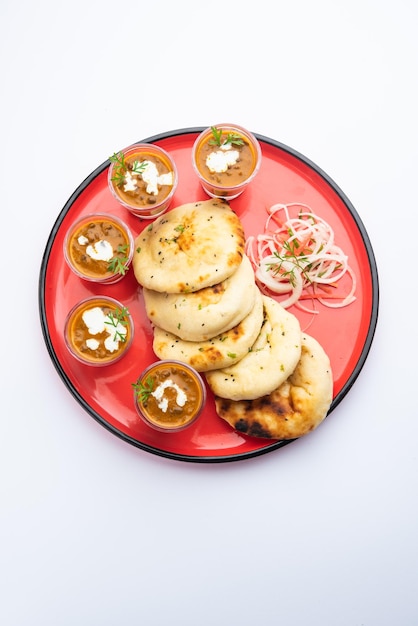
96, 532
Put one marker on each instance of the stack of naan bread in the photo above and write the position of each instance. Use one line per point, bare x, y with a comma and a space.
269, 378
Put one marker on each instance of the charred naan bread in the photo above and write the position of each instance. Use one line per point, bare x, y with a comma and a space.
296, 408
271, 360
220, 351
203, 314
193, 246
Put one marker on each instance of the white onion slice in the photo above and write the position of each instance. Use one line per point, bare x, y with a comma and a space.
295, 255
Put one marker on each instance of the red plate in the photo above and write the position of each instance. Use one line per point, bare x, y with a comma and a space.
106, 393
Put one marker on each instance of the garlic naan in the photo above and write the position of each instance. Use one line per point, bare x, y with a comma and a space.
296, 408
220, 351
203, 314
193, 246
271, 360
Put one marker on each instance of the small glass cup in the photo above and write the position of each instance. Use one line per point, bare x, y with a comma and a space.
99, 248
143, 178
226, 158
98, 331
169, 396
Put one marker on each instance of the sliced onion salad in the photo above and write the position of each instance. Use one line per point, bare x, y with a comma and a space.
297, 259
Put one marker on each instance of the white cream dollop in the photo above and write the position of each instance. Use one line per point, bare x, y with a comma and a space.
130, 182
112, 342
158, 393
95, 320
93, 344
218, 161
152, 178
100, 250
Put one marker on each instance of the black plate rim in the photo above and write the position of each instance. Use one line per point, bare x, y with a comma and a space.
229, 457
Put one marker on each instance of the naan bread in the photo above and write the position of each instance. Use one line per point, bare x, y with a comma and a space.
193, 246
203, 314
217, 352
270, 362
296, 408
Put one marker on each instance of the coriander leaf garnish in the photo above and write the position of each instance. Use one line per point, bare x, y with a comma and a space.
179, 229
120, 167
138, 167
118, 317
143, 390
232, 139
299, 261
117, 264
217, 136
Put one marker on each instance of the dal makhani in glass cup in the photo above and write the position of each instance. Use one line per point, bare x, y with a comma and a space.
99, 248
98, 331
226, 158
169, 395
143, 178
